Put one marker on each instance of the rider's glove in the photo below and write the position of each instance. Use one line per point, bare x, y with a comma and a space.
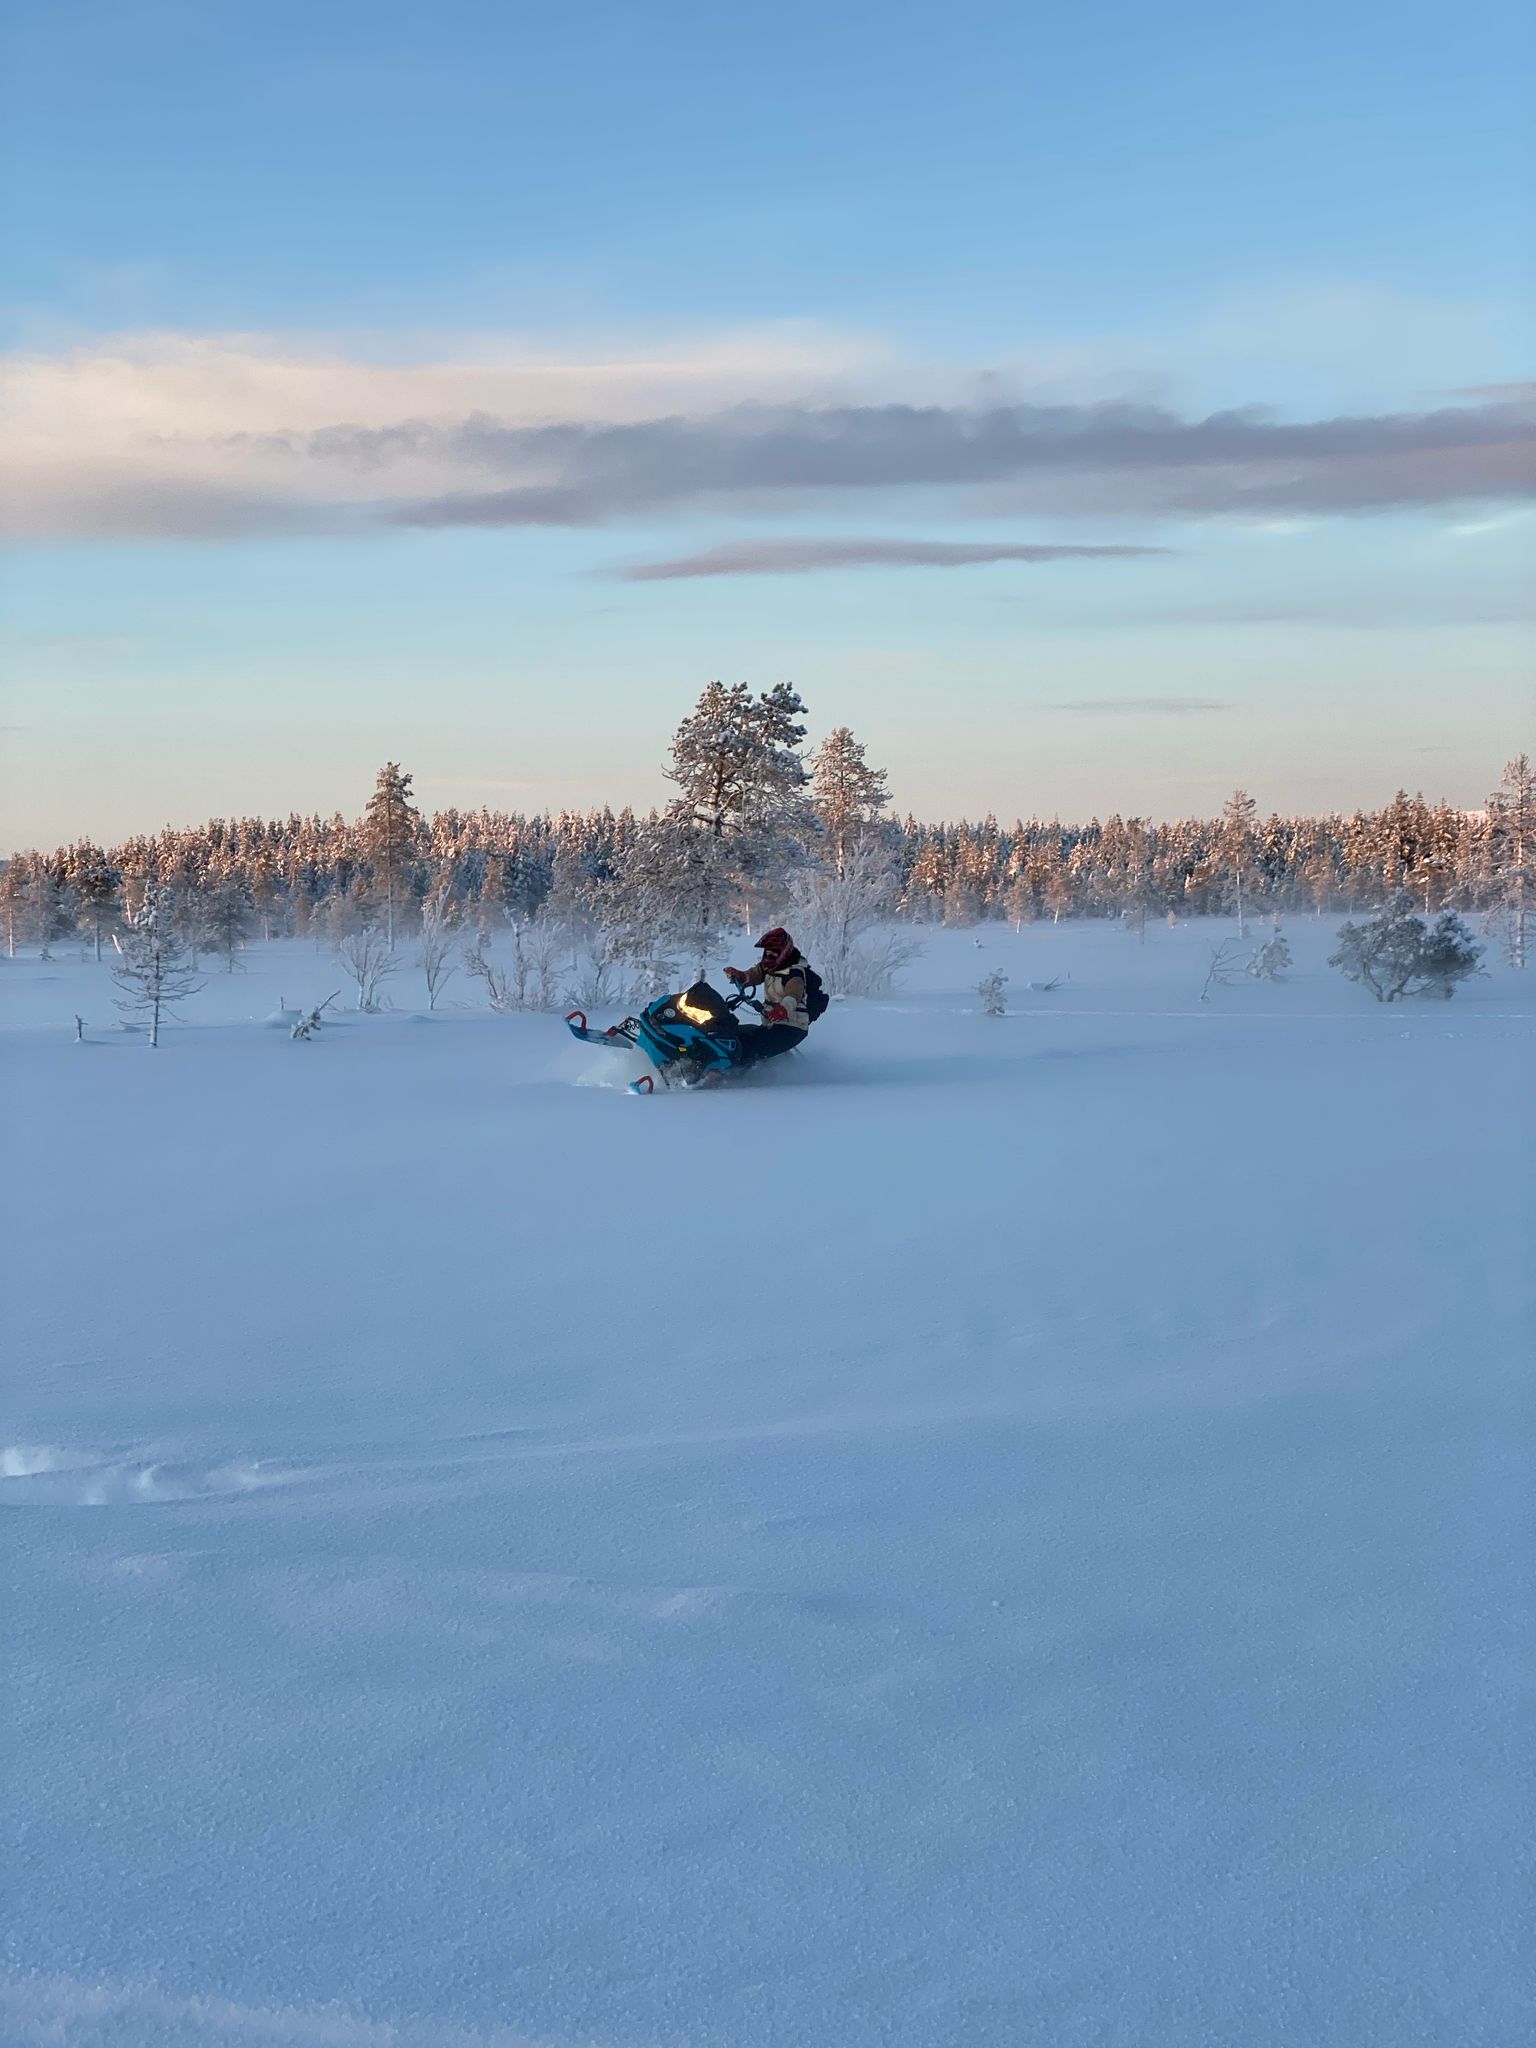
736, 974
776, 1014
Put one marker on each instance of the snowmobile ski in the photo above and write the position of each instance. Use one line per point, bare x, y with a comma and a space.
618, 1036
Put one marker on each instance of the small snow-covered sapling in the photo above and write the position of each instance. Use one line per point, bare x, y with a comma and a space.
307, 1025
1271, 961
990, 989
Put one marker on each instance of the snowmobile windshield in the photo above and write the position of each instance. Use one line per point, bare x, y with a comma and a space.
705, 1007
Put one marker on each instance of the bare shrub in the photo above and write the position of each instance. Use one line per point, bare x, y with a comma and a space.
434, 952
1224, 966
366, 957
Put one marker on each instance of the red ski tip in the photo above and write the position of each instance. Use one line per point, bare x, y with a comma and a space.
578, 1018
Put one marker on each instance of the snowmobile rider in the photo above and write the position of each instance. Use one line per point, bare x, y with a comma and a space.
781, 975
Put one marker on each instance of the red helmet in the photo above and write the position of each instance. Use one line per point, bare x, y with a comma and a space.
776, 947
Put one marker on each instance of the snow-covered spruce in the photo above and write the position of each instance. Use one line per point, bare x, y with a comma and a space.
153, 969
992, 990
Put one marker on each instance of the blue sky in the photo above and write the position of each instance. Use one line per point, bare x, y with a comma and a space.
337, 338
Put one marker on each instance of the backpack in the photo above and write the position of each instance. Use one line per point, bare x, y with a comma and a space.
817, 1001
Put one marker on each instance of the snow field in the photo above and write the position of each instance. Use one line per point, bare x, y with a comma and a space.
1003, 1530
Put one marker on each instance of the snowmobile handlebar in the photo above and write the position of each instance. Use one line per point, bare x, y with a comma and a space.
741, 996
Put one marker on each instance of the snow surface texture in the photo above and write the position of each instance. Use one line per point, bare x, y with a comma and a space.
447, 1605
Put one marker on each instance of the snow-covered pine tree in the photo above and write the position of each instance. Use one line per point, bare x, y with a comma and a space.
1134, 881
97, 886
1396, 954
675, 896
228, 917
1019, 903
390, 826
1235, 852
38, 906
153, 969
737, 764
991, 987
1404, 841
1317, 880
583, 918
733, 832
1058, 890
571, 905
1511, 843
266, 891
350, 910
13, 903
848, 795
181, 868
923, 898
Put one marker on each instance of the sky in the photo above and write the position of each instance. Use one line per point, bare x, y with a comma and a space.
1095, 408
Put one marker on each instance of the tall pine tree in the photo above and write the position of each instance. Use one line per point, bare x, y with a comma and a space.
732, 832
849, 795
390, 826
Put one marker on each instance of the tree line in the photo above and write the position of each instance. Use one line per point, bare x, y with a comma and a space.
760, 828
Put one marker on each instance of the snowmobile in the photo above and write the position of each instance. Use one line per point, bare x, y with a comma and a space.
692, 1039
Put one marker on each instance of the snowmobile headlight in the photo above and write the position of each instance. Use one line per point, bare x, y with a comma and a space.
695, 1015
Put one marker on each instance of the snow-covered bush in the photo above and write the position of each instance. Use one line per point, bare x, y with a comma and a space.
308, 1023
1272, 960
990, 988
1397, 954
840, 923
